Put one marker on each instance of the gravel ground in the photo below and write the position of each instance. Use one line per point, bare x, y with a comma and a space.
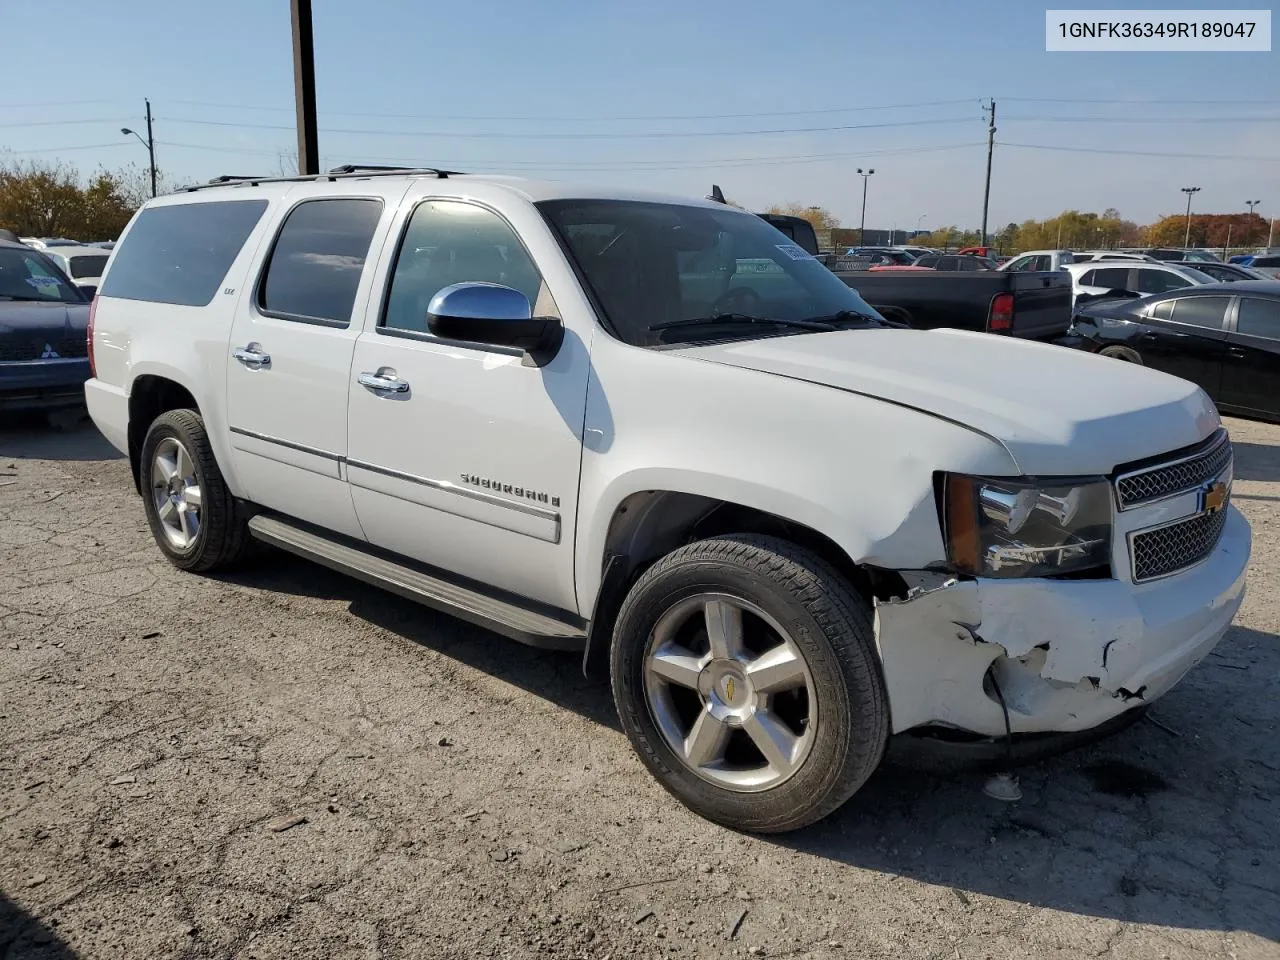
285, 763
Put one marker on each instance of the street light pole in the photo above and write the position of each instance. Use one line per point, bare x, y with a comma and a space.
149, 143
1251, 204
919, 220
862, 229
1186, 243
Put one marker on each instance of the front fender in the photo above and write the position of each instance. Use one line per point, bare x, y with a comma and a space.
856, 469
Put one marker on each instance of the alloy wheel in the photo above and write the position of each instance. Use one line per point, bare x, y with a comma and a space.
731, 692
175, 493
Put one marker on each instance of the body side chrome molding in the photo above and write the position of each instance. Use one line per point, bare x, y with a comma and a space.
300, 447
344, 463
450, 487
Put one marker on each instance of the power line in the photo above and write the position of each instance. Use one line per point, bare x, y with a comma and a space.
656, 135
1169, 120
1140, 153
87, 146
604, 164
54, 103
1143, 103
60, 123
595, 119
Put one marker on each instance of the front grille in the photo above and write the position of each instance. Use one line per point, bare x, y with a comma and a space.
14, 350
1155, 483
1166, 550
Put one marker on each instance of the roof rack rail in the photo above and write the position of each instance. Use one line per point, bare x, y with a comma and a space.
354, 169
346, 171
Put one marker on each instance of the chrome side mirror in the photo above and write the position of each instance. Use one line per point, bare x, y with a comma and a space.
493, 314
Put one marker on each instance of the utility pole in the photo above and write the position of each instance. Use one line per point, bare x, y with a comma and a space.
151, 149
1186, 243
1270, 231
862, 229
990, 110
304, 88
149, 143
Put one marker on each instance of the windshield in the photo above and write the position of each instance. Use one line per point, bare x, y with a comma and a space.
651, 265
29, 275
90, 266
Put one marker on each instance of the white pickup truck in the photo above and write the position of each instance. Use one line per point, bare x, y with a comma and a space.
590, 420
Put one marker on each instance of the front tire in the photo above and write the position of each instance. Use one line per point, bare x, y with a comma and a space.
745, 675
193, 516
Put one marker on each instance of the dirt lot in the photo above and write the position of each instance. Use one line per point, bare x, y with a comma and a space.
284, 763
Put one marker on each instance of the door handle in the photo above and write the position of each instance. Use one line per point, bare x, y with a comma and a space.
1236, 352
383, 384
252, 356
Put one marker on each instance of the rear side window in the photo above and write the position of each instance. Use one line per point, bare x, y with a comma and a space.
1259, 318
1158, 281
318, 257
1265, 262
1208, 312
87, 266
1113, 278
181, 253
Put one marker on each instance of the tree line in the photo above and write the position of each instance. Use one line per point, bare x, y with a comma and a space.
1071, 229
39, 199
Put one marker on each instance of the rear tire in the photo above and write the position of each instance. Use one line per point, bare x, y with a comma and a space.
193, 516
767, 732
1127, 354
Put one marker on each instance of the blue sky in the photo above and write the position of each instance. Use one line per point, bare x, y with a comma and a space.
667, 95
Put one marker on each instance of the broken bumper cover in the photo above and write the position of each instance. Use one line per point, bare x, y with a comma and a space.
1066, 655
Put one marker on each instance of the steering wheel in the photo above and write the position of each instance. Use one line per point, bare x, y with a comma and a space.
738, 300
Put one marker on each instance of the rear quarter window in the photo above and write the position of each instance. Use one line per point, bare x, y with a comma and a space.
180, 253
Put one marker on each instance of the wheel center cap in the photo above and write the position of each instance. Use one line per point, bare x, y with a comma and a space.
726, 686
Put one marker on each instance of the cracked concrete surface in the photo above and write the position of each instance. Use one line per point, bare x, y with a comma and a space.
285, 763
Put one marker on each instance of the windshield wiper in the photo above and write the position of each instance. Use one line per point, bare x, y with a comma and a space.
728, 319
850, 316
25, 299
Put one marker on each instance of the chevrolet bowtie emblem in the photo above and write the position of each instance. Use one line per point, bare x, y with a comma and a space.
1214, 497
728, 689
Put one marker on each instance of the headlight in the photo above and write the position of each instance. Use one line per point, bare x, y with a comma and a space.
997, 527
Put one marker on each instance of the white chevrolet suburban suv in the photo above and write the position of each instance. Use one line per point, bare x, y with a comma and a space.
654, 430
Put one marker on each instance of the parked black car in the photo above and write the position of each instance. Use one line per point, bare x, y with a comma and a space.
1223, 336
43, 333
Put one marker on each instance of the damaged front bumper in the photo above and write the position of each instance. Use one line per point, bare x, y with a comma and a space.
1065, 655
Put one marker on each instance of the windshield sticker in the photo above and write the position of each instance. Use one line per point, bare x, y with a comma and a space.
794, 251
43, 281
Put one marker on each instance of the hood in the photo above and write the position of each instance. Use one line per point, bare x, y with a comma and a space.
30, 319
1058, 411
